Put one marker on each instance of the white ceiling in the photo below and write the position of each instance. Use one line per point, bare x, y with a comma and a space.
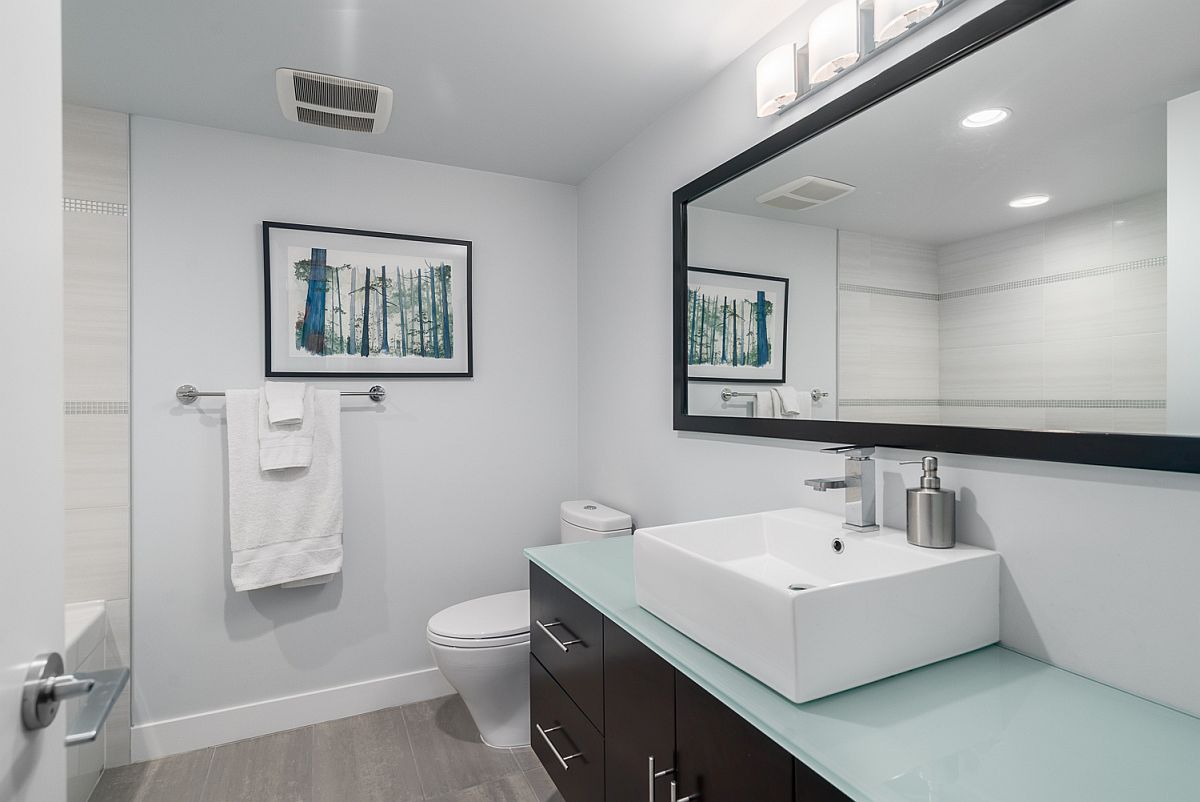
1088, 86
528, 87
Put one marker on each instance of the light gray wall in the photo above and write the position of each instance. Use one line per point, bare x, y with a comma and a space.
444, 483
1099, 563
807, 255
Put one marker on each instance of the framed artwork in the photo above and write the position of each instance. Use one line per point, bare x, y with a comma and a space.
736, 326
347, 303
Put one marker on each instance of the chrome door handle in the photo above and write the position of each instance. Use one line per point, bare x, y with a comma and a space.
675, 794
559, 756
46, 687
654, 775
559, 643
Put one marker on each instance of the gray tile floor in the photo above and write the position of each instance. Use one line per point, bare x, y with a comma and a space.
425, 751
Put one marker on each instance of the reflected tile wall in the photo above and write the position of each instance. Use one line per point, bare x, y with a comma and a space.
1067, 316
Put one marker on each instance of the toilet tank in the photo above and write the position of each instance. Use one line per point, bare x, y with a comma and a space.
585, 519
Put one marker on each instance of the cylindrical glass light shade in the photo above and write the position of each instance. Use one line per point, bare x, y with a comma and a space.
894, 17
776, 80
833, 40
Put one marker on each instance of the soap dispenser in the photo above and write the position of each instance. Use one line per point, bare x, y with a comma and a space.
930, 509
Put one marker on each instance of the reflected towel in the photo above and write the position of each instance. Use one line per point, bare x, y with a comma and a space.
792, 404
764, 404
286, 525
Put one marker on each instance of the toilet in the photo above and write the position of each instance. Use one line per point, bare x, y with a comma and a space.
481, 646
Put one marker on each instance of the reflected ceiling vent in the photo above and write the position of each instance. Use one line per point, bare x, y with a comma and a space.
805, 193
333, 102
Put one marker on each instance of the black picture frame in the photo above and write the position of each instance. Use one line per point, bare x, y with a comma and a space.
1145, 451
271, 371
783, 333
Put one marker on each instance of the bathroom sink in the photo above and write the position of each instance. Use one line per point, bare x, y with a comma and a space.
809, 608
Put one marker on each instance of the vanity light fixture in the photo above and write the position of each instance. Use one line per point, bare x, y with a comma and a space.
986, 117
833, 41
894, 17
776, 80
1028, 201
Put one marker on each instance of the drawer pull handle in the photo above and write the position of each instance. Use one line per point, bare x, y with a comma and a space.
562, 759
562, 644
675, 794
654, 775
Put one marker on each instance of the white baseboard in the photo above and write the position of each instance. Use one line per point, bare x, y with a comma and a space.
173, 736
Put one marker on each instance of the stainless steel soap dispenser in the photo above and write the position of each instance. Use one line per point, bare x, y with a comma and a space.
930, 510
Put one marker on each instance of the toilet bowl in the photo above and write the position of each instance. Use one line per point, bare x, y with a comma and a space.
481, 646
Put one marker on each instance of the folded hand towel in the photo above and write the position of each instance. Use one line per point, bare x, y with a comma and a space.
284, 526
285, 402
792, 404
285, 445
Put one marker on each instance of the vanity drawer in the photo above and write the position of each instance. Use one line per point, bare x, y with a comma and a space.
812, 787
566, 743
567, 636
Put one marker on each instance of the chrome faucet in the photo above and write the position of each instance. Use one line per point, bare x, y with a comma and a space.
859, 483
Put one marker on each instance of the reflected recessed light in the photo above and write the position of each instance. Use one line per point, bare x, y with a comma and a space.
1028, 200
985, 117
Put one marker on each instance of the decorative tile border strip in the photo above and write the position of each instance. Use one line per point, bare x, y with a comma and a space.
1020, 403
1056, 278
95, 407
867, 288
95, 207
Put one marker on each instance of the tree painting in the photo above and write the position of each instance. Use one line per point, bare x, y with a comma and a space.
730, 326
401, 308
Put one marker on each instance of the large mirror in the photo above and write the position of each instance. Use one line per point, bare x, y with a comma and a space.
1012, 243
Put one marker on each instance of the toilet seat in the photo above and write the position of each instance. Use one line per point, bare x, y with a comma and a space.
487, 622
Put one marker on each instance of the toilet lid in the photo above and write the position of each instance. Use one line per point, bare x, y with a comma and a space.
500, 616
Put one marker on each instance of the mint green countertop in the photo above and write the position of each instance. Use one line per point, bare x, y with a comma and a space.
989, 726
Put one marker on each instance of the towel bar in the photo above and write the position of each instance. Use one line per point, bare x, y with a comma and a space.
815, 394
187, 393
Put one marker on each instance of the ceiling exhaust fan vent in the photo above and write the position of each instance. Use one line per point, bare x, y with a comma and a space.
805, 193
333, 102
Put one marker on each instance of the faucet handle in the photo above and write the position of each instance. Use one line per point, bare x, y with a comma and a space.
851, 452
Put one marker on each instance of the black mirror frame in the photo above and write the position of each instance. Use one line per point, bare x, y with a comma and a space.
1154, 452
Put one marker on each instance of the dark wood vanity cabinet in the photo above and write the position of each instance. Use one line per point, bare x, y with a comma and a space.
639, 717
643, 708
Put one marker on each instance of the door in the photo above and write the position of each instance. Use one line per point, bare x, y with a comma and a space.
639, 718
720, 756
32, 764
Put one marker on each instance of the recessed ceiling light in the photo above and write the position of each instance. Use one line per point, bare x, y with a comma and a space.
1028, 200
985, 117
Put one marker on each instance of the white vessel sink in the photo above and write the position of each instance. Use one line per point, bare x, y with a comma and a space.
875, 607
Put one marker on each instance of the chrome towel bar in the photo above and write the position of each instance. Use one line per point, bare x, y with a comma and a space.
187, 393
726, 394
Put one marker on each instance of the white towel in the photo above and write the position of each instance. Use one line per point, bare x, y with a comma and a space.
284, 526
792, 404
285, 445
764, 404
285, 402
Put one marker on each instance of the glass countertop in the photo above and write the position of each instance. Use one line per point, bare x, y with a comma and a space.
992, 725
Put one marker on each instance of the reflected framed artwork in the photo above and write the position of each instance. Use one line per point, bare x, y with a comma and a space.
736, 326
343, 302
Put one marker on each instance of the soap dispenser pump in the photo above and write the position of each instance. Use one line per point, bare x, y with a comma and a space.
930, 509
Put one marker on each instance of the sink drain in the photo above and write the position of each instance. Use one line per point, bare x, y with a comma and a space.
837, 545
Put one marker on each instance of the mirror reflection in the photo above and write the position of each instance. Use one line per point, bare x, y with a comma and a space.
1010, 243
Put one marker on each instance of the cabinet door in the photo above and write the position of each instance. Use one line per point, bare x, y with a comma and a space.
812, 787
720, 756
639, 718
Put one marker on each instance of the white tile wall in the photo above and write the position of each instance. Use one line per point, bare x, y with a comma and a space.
96, 369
